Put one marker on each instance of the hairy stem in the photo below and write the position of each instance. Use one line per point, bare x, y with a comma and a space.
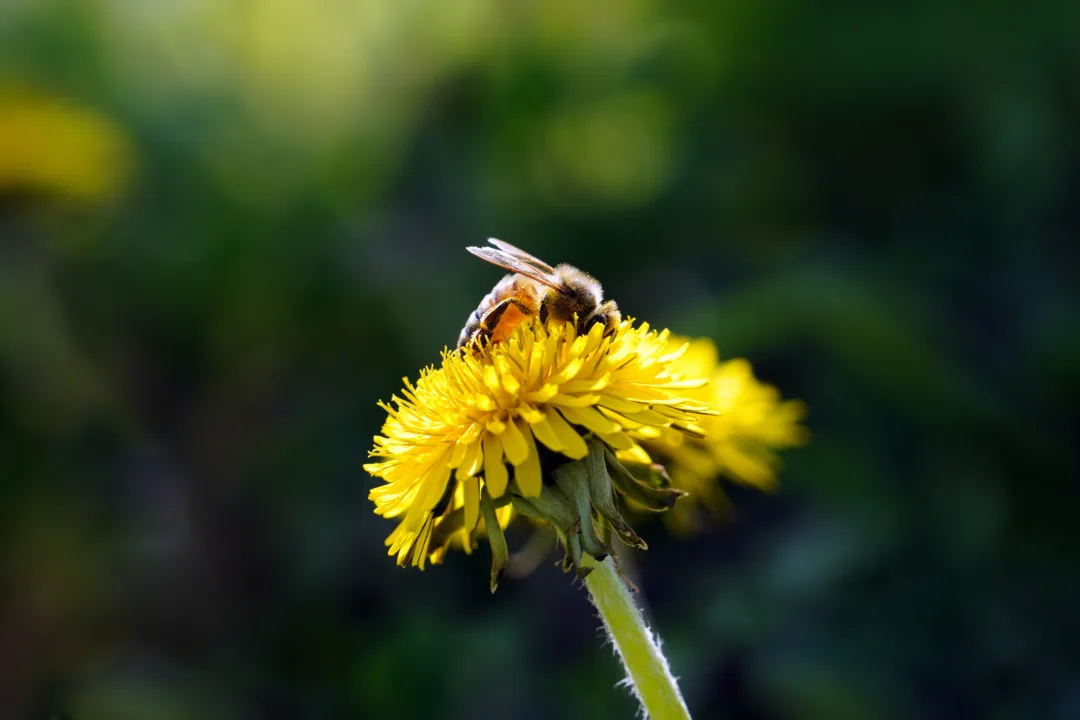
639, 649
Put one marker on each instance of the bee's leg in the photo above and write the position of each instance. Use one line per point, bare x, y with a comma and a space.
607, 314
491, 320
494, 317
525, 309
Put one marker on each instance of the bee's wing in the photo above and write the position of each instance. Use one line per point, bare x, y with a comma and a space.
521, 254
517, 265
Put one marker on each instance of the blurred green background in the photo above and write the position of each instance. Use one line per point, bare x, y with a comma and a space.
876, 203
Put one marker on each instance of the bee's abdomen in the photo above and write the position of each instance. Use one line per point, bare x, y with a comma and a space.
475, 323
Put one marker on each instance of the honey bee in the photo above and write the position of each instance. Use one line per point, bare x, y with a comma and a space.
534, 288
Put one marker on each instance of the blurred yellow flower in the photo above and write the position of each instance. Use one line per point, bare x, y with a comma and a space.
445, 446
741, 440
53, 149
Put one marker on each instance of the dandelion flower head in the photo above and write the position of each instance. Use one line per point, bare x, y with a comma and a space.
485, 427
741, 440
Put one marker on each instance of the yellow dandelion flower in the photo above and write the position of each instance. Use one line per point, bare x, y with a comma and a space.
486, 430
752, 422
51, 148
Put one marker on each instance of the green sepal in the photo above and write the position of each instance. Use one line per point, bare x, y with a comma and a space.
648, 496
499, 553
574, 480
572, 559
603, 495
553, 508
654, 475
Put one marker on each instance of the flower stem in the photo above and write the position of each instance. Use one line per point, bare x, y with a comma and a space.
639, 649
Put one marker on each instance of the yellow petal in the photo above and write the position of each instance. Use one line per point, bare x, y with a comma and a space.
619, 441
685, 384
434, 486
495, 475
648, 417
491, 378
510, 383
423, 542
514, 444
635, 454
574, 446
432, 489
471, 434
472, 503
531, 414
536, 361
414, 518
636, 392
567, 373
394, 540
586, 386
595, 336
546, 434
618, 404
592, 419
542, 394
674, 354
694, 431
472, 461
457, 455
527, 474
624, 422
574, 400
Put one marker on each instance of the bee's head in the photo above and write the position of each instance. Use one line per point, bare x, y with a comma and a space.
580, 296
